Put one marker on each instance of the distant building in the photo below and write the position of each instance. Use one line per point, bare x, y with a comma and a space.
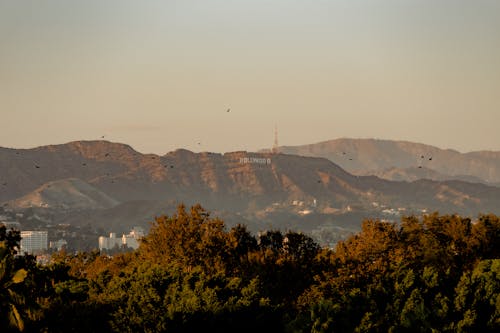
305, 212
58, 245
33, 242
131, 240
107, 243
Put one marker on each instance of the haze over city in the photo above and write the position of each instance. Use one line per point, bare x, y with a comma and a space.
162, 75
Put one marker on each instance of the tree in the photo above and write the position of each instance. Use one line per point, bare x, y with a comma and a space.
300, 247
242, 241
11, 299
190, 239
11, 239
486, 236
478, 298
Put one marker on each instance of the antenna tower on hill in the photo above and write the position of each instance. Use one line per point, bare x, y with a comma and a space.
275, 149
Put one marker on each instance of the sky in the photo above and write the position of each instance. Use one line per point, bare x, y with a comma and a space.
161, 75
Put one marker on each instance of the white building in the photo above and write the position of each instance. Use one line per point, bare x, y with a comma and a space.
107, 243
33, 241
131, 240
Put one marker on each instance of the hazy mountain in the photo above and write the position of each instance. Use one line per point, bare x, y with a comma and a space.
66, 194
372, 156
259, 187
415, 173
24, 170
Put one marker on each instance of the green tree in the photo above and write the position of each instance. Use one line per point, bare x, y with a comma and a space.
478, 298
12, 300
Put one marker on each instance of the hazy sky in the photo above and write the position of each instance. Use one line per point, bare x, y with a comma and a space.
160, 75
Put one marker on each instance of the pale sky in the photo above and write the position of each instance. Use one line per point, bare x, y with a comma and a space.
160, 75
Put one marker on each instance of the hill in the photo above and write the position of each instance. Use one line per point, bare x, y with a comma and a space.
372, 156
66, 194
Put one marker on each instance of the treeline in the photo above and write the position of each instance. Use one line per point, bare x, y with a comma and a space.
425, 274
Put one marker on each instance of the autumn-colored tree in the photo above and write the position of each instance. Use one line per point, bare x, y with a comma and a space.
188, 238
433, 273
402, 278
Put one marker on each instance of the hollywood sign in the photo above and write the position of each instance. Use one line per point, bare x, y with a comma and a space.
255, 160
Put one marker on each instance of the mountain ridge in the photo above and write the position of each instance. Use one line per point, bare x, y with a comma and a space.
230, 179
373, 156
249, 186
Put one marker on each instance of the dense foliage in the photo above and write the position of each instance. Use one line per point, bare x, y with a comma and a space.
425, 274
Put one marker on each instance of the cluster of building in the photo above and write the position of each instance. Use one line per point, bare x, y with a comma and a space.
37, 242
131, 240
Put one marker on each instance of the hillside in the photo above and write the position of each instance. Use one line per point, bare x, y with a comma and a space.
66, 194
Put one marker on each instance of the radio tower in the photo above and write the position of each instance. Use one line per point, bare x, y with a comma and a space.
275, 146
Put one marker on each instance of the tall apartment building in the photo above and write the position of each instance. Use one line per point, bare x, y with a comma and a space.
33, 242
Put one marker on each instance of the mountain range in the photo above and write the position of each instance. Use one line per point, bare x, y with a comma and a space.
111, 185
403, 160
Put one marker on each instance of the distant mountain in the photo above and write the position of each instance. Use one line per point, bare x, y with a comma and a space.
24, 170
416, 173
66, 194
372, 156
117, 185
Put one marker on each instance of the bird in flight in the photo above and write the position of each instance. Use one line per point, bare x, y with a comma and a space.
37, 166
228, 110
430, 158
106, 155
